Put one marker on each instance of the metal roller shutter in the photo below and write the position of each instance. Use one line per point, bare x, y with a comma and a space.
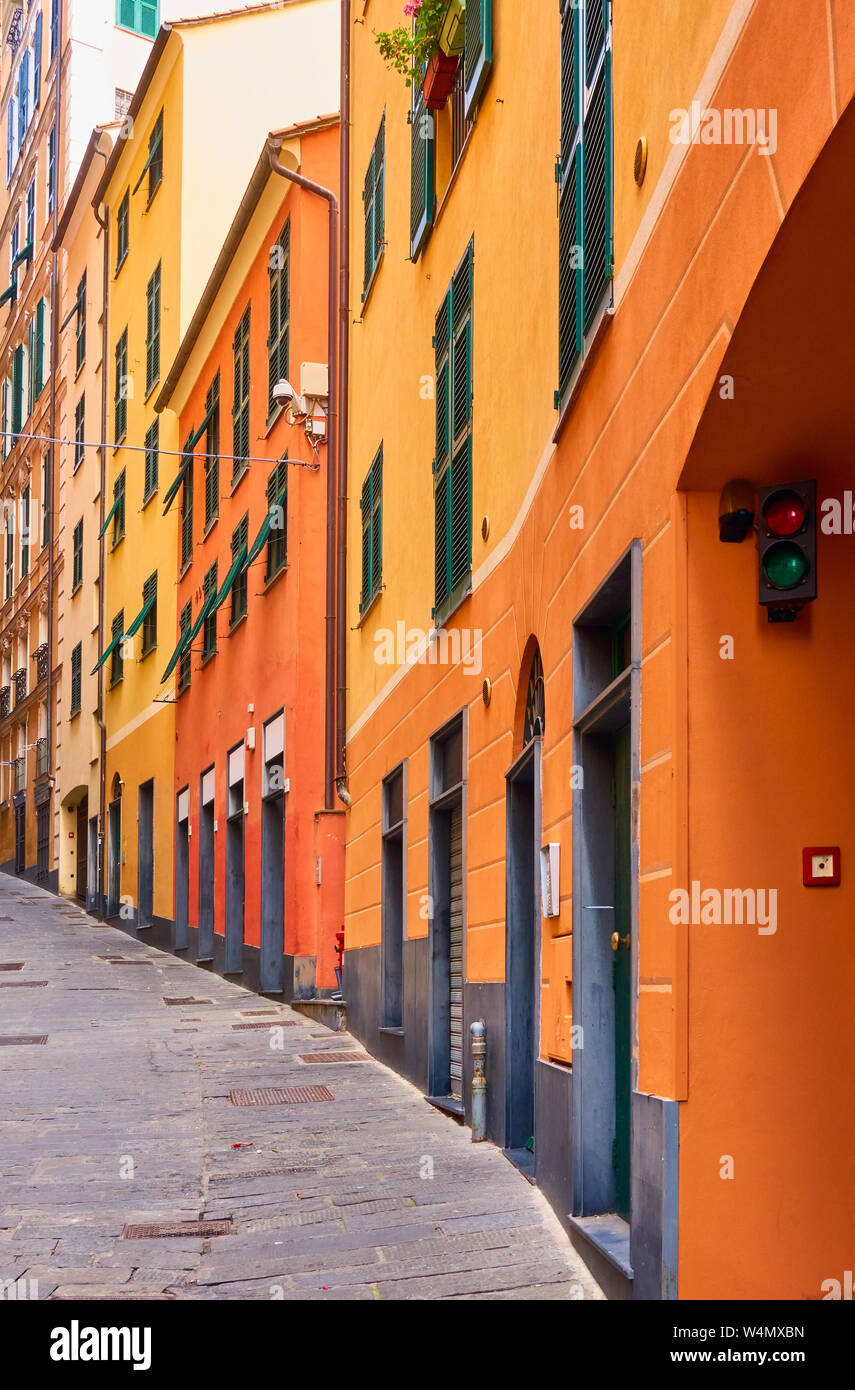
456, 954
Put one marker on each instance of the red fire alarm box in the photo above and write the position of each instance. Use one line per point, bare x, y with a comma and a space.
821, 867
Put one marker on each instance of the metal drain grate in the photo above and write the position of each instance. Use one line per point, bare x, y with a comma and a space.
187, 1000
13, 964
288, 1023
282, 1095
120, 960
261, 1173
22, 984
199, 1229
23, 1042
313, 1057
258, 1013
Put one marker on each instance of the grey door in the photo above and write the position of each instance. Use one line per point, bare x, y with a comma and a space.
206, 882
145, 856
272, 966
234, 896
455, 974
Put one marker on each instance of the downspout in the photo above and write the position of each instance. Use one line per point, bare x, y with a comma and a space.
273, 147
104, 224
48, 500
344, 373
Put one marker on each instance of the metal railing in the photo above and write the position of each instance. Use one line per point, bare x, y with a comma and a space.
20, 774
41, 756
5, 701
20, 679
40, 656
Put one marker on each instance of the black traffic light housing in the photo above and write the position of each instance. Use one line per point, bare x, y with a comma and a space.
786, 542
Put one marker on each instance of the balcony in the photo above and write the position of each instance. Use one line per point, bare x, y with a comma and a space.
20, 679
20, 773
40, 656
41, 757
5, 700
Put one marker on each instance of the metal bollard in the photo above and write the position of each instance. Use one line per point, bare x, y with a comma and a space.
479, 1081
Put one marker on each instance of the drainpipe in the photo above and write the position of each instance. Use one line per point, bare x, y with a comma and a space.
478, 1032
344, 372
48, 500
104, 224
273, 147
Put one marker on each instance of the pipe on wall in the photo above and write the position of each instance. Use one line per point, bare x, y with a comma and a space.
344, 372
104, 224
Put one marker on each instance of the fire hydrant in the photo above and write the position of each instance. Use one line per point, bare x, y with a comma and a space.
478, 1033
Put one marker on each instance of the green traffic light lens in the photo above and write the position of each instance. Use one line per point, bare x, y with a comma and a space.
785, 565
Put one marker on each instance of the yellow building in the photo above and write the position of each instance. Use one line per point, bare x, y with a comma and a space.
166, 197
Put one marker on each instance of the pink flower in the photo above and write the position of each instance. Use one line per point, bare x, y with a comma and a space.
412, 8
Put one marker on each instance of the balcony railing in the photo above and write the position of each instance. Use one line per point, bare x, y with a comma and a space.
5, 700
20, 774
41, 757
40, 656
20, 679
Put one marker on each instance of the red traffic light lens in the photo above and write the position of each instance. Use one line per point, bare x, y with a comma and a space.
784, 513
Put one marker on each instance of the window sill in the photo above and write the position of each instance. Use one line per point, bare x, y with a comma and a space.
149, 390
209, 528
116, 544
115, 683
455, 600
119, 265
77, 588
268, 583
209, 656
364, 612
185, 567
152, 196
237, 479
590, 350
272, 419
366, 293
146, 500
392, 1032
80, 369
74, 714
149, 651
238, 622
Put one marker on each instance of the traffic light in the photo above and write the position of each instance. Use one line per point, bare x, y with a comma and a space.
787, 548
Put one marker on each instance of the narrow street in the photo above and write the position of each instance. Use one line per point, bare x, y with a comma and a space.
122, 1114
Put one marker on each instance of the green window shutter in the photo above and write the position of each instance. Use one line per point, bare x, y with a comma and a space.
597, 193
37, 60
478, 54
187, 514
5, 412
149, 18
462, 345
120, 401
596, 29
453, 464
422, 192
212, 450
380, 190
31, 363
368, 215
442, 357
17, 390
442, 518
240, 407
372, 531
461, 513
277, 535
209, 636
152, 460
76, 672
570, 278
280, 310
152, 340
39, 359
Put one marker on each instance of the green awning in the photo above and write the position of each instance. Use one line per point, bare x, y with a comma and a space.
119, 637
266, 526
176, 482
25, 254
141, 617
237, 566
11, 293
173, 660
111, 513
153, 151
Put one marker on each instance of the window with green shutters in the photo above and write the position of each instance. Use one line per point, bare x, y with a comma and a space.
30, 229
453, 461
31, 362
51, 182
154, 163
76, 679
478, 53
209, 628
422, 178
117, 663
187, 515
39, 356
240, 405
25, 531
185, 624
277, 509
80, 330
5, 397
120, 401
77, 557
17, 391
240, 541
46, 492
9, 566
79, 431
374, 207
152, 460
119, 508
212, 451
152, 336
123, 224
143, 16
584, 174
371, 506
149, 627
279, 271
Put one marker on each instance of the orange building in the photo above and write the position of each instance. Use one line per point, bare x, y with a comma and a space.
259, 853
589, 779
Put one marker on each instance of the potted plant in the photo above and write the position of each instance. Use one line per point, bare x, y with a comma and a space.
432, 46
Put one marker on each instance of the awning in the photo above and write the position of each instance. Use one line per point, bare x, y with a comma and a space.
119, 637
155, 150
111, 513
25, 254
11, 293
141, 616
176, 482
190, 635
173, 660
261, 539
237, 566
75, 309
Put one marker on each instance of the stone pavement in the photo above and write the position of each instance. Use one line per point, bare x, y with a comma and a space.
124, 1117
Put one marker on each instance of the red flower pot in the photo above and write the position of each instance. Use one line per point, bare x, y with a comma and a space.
439, 80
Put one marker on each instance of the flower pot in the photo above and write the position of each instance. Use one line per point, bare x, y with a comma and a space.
439, 80
452, 40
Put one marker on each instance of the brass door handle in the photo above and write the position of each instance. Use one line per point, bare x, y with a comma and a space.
618, 940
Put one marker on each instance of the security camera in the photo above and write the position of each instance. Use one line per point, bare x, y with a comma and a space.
284, 392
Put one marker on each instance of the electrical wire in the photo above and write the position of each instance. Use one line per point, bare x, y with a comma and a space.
172, 453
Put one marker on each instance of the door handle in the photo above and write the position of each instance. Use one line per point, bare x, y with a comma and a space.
618, 940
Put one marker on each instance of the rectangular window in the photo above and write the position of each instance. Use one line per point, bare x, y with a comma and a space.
372, 532
120, 399
17, 391
394, 894
209, 629
373, 207
143, 16
152, 460
240, 407
31, 359
79, 431
54, 25
478, 55
123, 223
277, 510
422, 180
39, 352
585, 209
80, 332
186, 622
152, 337
187, 515
240, 541
149, 628
25, 531
23, 98
154, 163
212, 452
30, 230
76, 679
452, 466
51, 179
123, 101
77, 558
117, 664
5, 398
46, 480
37, 60
119, 508
279, 271
10, 555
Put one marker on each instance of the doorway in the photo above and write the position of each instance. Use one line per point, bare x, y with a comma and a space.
206, 869
20, 839
114, 858
234, 895
145, 856
272, 965
182, 872
447, 858
522, 934
82, 834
